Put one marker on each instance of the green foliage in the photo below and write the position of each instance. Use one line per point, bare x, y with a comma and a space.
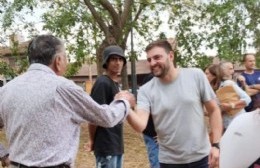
6, 70
221, 25
224, 26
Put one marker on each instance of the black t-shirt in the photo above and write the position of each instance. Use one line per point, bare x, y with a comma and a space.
149, 130
107, 141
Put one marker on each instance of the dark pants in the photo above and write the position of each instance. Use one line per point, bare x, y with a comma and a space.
203, 163
18, 165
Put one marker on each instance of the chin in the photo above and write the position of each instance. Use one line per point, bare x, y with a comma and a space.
158, 74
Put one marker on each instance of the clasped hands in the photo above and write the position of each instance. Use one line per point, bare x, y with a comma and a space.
126, 95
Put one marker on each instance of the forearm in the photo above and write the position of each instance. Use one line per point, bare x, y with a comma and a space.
240, 104
215, 121
255, 86
250, 91
92, 131
3, 151
136, 121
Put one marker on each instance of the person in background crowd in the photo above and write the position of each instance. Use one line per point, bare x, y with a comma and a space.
175, 98
109, 150
42, 111
212, 74
150, 137
226, 71
250, 81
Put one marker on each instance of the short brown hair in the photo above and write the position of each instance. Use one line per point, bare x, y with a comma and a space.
245, 55
159, 43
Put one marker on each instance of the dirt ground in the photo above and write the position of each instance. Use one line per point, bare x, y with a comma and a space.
135, 153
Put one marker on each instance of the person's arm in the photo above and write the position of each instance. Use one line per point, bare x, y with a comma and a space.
83, 108
244, 98
138, 120
4, 156
92, 131
99, 94
250, 89
253, 89
215, 122
215, 119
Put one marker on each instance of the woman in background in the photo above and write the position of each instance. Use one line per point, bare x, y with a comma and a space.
226, 71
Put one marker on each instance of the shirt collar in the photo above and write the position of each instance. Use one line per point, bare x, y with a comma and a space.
40, 67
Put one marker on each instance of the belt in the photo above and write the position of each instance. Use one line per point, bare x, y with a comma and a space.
24, 166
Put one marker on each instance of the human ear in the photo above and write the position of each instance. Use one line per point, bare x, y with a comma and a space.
58, 63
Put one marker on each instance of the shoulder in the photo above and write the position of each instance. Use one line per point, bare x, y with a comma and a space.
148, 85
103, 80
66, 84
228, 82
257, 72
192, 71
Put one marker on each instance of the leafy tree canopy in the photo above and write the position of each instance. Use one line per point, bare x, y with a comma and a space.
90, 25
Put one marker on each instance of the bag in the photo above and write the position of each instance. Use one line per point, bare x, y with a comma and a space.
227, 94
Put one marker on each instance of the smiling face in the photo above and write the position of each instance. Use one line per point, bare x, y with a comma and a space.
159, 61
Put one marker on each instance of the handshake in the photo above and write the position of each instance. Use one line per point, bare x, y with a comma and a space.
126, 95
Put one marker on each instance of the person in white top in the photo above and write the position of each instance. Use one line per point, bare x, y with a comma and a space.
226, 71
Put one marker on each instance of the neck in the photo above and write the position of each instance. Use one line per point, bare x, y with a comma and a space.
249, 71
170, 76
112, 76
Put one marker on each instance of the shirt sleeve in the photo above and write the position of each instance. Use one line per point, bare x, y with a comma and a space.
143, 100
242, 94
3, 151
84, 108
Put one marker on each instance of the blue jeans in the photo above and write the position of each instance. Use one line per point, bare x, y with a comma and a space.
203, 163
152, 150
109, 161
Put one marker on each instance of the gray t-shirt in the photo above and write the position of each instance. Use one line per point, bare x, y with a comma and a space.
177, 111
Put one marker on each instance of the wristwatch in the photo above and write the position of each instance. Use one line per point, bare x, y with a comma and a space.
216, 145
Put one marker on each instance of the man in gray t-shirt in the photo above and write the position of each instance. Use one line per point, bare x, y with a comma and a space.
175, 98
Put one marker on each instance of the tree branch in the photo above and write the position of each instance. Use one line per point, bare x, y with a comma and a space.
107, 5
99, 20
139, 11
135, 18
127, 11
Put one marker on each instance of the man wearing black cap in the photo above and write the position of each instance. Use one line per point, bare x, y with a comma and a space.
107, 143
